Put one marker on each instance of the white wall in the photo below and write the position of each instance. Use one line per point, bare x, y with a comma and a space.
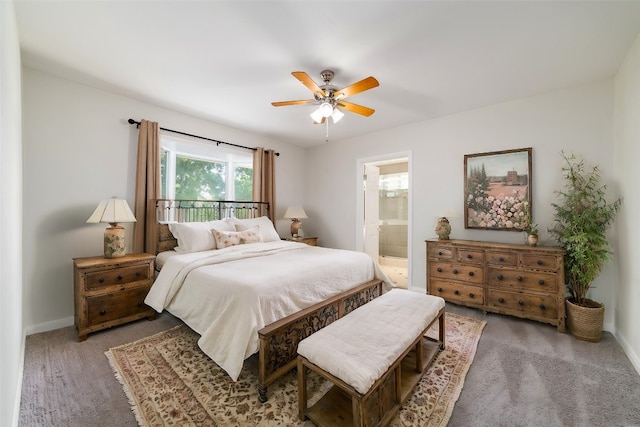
11, 334
627, 173
579, 120
78, 150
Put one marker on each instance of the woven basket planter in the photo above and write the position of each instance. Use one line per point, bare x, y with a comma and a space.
585, 323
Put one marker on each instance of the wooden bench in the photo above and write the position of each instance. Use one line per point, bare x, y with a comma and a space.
374, 356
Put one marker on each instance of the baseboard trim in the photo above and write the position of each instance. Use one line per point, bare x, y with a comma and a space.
634, 358
49, 326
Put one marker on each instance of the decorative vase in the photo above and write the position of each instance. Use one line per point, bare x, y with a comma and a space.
532, 239
443, 229
585, 323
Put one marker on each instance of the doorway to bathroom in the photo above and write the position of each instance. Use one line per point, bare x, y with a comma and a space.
385, 212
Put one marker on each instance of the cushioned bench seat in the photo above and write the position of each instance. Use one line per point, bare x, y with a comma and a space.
363, 353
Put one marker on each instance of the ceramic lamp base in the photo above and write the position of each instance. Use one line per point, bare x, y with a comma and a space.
295, 226
114, 246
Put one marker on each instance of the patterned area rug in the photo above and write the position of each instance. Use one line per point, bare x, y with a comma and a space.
169, 382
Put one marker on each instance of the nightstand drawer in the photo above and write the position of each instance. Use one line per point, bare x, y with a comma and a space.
98, 279
117, 305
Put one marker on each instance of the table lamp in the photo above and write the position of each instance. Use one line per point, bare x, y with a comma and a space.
113, 211
295, 213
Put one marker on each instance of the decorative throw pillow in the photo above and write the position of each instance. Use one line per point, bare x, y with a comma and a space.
234, 238
267, 230
195, 236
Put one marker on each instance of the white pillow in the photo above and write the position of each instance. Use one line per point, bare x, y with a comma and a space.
234, 238
268, 231
195, 236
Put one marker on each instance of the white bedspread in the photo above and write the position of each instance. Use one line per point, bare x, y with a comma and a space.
228, 295
360, 347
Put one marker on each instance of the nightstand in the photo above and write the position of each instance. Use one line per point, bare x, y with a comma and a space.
111, 291
311, 241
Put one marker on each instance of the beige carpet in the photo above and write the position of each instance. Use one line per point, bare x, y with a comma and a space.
169, 381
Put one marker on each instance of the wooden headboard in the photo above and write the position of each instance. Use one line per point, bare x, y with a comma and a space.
167, 210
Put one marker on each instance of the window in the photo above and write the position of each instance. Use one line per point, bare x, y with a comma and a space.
204, 171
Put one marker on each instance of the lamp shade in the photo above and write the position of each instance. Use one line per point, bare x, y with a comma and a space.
295, 212
112, 211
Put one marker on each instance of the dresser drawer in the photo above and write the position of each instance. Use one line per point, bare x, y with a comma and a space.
537, 305
470, 256
540, 262
522, 280
463, 272
98, 279
441, 252
502, 258
117, 305
457, 292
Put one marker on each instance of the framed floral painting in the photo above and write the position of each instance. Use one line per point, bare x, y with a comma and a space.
497, 190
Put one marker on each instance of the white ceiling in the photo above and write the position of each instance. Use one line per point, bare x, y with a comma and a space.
226, 61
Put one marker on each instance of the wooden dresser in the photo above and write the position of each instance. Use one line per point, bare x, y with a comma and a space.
111, 291
518, 280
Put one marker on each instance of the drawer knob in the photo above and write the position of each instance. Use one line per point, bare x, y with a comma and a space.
520, 302
119, 276
542, 307
500, 277
103, 312
457, 292
439, 289
520, 278
471, 295
501, 259
539, 262
500, 299
455, 271
138, 273
471, 273
440, 253
469, 256
101, 280
540, 282
439, 270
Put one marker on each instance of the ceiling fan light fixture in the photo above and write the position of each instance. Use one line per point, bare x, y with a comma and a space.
337, 115
326, 109
317, 115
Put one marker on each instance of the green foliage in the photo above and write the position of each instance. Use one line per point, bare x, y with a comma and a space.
582, 217
199, 179
243, 184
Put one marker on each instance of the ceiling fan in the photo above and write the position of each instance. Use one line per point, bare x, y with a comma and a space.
329, 98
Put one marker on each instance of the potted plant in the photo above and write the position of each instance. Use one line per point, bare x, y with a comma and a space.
582, 216
529, 227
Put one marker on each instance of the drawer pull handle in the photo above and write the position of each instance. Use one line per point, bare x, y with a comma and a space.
500, 299
500, 277
457, 292
521, 302
539, 262
540, 282
469, 256
520, 279
455, 271
439, 289
471, 273
440, 253
101, 280
119, 276
472, 296
542, 307
138, 273
103, 312
439, 270
501, 259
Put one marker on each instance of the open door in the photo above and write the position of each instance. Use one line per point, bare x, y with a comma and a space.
371, 211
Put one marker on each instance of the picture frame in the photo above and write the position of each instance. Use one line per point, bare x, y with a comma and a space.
497, 190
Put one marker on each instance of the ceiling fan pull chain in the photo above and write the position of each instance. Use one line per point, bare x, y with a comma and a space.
327, 123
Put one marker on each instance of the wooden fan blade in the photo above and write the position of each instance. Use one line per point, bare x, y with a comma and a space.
308, 82
283, 103
361, 86
355, 108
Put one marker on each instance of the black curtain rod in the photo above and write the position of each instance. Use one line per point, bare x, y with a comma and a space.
133, 122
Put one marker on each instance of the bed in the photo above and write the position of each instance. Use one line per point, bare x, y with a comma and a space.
226, 273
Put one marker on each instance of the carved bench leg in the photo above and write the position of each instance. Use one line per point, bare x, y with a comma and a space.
262, 393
